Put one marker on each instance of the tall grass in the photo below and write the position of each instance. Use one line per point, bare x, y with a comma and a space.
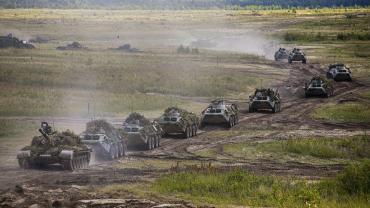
348, 189
347, 112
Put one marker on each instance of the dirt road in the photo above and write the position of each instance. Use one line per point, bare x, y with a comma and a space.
53, 186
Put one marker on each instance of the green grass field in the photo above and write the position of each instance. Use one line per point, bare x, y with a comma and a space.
225, 188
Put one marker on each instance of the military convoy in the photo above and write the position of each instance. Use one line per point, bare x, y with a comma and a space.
52, 147
220, 112
140, 131
105, 141
297, 55
339, 72
179, 121
319, 87
281, 54
265, 99
12, 42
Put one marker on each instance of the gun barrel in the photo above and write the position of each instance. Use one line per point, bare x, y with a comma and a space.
45, 135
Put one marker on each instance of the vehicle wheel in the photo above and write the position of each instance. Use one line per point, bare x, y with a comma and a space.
24, 163
111, 153
158, 141
124, 149
120, 149
155, 141
74, 164
186, 133
304, 61
289, 61
67, 165
274, 109
251, 110
196, 130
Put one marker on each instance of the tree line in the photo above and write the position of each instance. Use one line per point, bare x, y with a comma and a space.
177, 4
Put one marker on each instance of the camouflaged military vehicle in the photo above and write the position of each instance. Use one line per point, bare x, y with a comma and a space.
63, 148
339, 72
281, 54
12, 42
265, 99
140, 131
72, 46
297, 55
220, 112
319, 87
105, 141
179, 121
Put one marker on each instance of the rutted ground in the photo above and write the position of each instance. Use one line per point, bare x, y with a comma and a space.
294, 120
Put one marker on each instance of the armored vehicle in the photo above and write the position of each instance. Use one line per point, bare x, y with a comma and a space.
52, 147
12, 42
72, 46
319, 87
140, 131
105, 141
281, 54
339, 72
297, 55
265, 99
220, 112
179, 121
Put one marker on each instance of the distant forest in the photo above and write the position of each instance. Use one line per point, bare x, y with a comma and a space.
178, 4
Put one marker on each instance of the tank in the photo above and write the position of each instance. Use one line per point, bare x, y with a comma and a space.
265, 99
319, 87
52, 147
105, 141
220, 112
12, 42
179, 121
142, 132
297, 55
339, 72
281, 54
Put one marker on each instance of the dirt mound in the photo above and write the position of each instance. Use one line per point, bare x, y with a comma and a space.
72, 46
12, 42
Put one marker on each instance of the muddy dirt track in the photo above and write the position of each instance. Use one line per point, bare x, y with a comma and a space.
55, 187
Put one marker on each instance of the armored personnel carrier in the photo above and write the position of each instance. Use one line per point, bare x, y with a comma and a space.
281, 54
12, 42
297, 55
179, 121
140, 131
339, 72
105, 141
265, 99
319, 87
220, 112
51, 147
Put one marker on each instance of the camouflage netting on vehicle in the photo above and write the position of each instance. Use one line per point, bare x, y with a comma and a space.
101, 127
172, 110
268, 92
134, 117
59, 141
319, 78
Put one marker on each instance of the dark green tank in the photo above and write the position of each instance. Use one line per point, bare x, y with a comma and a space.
53, 147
